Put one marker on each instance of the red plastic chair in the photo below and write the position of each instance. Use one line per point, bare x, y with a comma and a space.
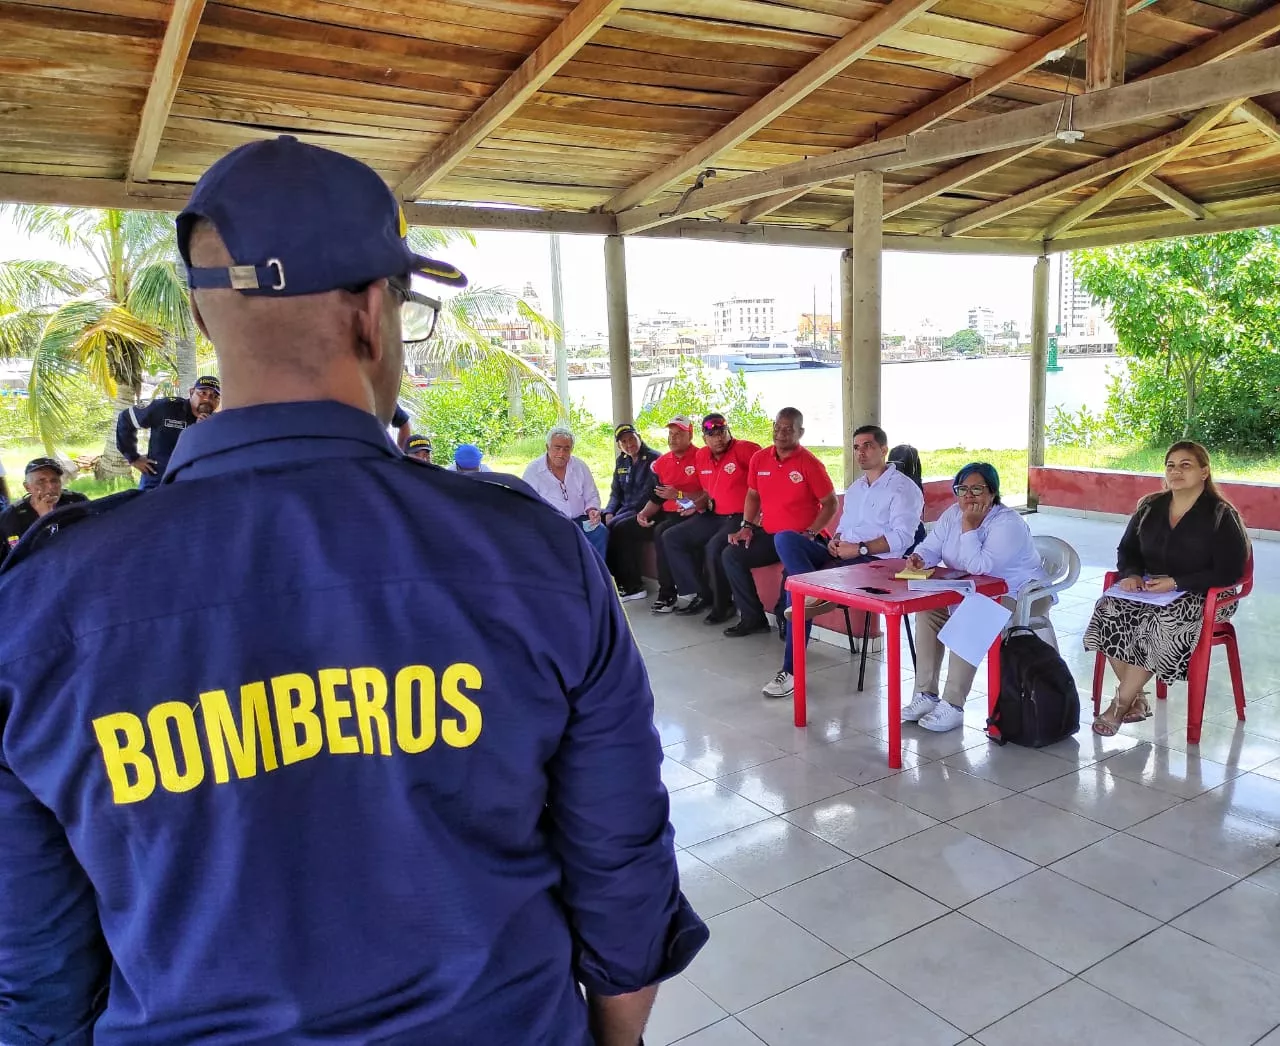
1212, 633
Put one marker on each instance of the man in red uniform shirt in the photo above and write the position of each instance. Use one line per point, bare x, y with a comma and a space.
788, 489
678, 496
693, 546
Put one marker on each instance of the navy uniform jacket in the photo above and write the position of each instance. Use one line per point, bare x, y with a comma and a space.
19, 517
377, 775
166, 418
633, 482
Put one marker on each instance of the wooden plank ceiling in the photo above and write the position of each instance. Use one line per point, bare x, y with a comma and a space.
606, 105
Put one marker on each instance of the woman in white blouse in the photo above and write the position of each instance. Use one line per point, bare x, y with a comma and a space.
978, 535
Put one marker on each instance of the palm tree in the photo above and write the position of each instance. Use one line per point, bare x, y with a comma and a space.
109, 319
462, 335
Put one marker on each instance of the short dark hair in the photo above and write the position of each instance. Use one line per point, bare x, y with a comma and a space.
989, 476
873, 430
793, 413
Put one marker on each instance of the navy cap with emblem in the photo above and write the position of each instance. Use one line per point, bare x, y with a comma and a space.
299, 219
38, 464
208, 381
417, 444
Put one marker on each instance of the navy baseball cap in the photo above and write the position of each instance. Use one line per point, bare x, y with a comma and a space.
417, 443
299, 219
210, 382
37, 464
624, 430
712, 422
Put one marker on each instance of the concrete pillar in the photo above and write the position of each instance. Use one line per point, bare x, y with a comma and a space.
1039, 361
846, 362
615, 285
557, 315
868, 239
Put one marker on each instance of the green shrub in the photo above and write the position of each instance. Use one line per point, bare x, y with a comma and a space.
476, 409
698, 390
89, 417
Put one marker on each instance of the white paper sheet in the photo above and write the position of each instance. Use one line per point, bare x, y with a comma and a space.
942, 585
973, 626
1158, 599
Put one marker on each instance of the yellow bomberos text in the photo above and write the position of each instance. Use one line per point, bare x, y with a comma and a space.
284, 720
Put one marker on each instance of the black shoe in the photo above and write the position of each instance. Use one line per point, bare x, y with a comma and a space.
663, 605
695, 606
746, 628
719, 617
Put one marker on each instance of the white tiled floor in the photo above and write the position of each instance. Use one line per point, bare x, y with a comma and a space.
1102, 890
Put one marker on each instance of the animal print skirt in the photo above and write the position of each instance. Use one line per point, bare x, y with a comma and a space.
1159, 639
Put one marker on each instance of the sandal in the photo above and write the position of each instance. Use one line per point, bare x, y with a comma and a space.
1139, 709
1109, 722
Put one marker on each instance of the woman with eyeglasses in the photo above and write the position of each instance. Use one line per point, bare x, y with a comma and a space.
978, 535
1188, 538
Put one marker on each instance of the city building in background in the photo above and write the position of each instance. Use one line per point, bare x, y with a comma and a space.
743, 318
983, 322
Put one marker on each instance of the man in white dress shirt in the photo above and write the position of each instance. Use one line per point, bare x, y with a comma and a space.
880, 517
565, 483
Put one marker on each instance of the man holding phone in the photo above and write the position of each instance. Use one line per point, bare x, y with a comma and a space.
677, 497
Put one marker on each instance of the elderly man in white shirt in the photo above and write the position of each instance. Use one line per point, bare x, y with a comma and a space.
881, 515
978, 535
565, 483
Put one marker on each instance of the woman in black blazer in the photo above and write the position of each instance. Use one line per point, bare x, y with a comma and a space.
1189, 539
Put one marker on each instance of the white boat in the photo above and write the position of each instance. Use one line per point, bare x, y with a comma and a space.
751, 354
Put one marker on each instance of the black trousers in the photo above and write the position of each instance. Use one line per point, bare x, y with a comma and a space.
625, 555
738, 564
692, 549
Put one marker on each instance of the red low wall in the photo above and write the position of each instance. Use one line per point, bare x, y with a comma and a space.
1108, 490
937, 498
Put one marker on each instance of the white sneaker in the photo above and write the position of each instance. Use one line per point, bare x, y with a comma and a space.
945, 716
921, 706
783, 685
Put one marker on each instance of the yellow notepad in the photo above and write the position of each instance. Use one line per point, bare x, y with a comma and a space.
907, 574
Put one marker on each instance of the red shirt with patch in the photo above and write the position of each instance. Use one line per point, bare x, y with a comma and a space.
679, 472
790, 491
726, 480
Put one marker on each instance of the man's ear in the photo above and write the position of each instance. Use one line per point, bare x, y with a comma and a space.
369, 320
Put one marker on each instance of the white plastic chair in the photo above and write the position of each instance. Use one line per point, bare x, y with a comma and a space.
1062, 563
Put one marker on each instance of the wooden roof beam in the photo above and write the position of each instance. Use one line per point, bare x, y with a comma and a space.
1226, 44
1244, 75
1261, 119
565, 40
179, 34
847, 50
1124, 182
1138, 232
1066, 35
1178, 201
1104, 50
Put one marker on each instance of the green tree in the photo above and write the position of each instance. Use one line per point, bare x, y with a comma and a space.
109, 319
966, 341
694, 391
1187, 305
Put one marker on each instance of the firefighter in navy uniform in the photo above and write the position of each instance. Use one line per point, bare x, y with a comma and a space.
43, 482
306, 815
167, 418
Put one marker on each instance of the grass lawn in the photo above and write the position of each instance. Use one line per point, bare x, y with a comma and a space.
599, 456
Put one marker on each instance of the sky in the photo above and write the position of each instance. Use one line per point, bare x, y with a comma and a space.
687, 277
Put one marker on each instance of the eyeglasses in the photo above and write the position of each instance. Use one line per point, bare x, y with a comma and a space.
976, 491
418, 313
714, 430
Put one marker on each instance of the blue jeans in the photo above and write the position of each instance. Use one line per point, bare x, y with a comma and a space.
598, 538
801, 554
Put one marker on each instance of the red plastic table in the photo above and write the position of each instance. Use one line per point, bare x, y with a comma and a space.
847, 586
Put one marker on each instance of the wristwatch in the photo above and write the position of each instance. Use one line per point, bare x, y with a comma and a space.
863, 550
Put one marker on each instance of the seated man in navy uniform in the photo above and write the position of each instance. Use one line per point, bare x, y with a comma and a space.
305, 815
43, 482
166, 417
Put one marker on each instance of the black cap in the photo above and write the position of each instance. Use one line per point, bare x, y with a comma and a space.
37, 464
714, 421
210, 382
417, 443
624, 430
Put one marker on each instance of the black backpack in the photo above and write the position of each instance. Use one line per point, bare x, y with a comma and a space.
1038, 702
